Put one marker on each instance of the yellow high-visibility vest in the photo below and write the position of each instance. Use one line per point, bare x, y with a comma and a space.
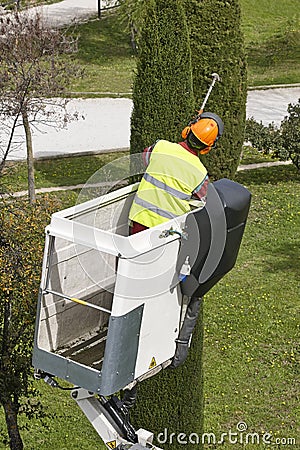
167, 185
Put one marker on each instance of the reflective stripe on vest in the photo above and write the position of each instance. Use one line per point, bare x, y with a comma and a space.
169, 189
154, 208
172, 175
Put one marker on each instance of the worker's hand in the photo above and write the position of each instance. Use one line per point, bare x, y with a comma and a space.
195, 204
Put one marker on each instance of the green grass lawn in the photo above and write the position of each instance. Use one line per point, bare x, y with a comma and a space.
251, 320
251, 343
77, 170
106, 57
272, 38
64, 428
56, 172
262, 19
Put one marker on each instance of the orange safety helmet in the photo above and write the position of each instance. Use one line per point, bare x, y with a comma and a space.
204, 131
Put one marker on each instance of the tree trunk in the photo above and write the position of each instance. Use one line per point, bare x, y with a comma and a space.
133, 34
10, 408
6, 153
15, 440
30, 160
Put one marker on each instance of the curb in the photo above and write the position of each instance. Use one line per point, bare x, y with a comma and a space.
261, 165
273, 86
71, 155
250, 88
54, 189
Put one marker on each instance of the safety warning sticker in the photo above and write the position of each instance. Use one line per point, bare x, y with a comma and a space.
111, 444
153, 363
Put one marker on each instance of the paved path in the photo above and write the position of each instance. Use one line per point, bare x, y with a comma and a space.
68, 11
106, 124
263, 164
271, 105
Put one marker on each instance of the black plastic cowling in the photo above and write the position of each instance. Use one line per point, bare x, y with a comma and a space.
214, 236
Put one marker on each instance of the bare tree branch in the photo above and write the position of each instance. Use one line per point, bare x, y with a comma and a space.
36, 67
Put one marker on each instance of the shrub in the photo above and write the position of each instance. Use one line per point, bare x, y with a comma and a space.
265, 139
282, 142
21, 249
290, 134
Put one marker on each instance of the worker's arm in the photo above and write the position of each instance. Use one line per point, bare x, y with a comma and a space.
201, 191
147, 154
198, 199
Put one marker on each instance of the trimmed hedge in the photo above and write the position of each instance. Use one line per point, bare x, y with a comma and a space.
217, 46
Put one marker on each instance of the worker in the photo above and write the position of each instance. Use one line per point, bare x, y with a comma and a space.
174, 174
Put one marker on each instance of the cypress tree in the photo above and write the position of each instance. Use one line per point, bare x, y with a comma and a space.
217, 46
162, 91
163, 104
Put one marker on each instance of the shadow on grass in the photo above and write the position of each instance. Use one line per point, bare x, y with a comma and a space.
268, 175
103, 40
281, 48
287, 258
73, 171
